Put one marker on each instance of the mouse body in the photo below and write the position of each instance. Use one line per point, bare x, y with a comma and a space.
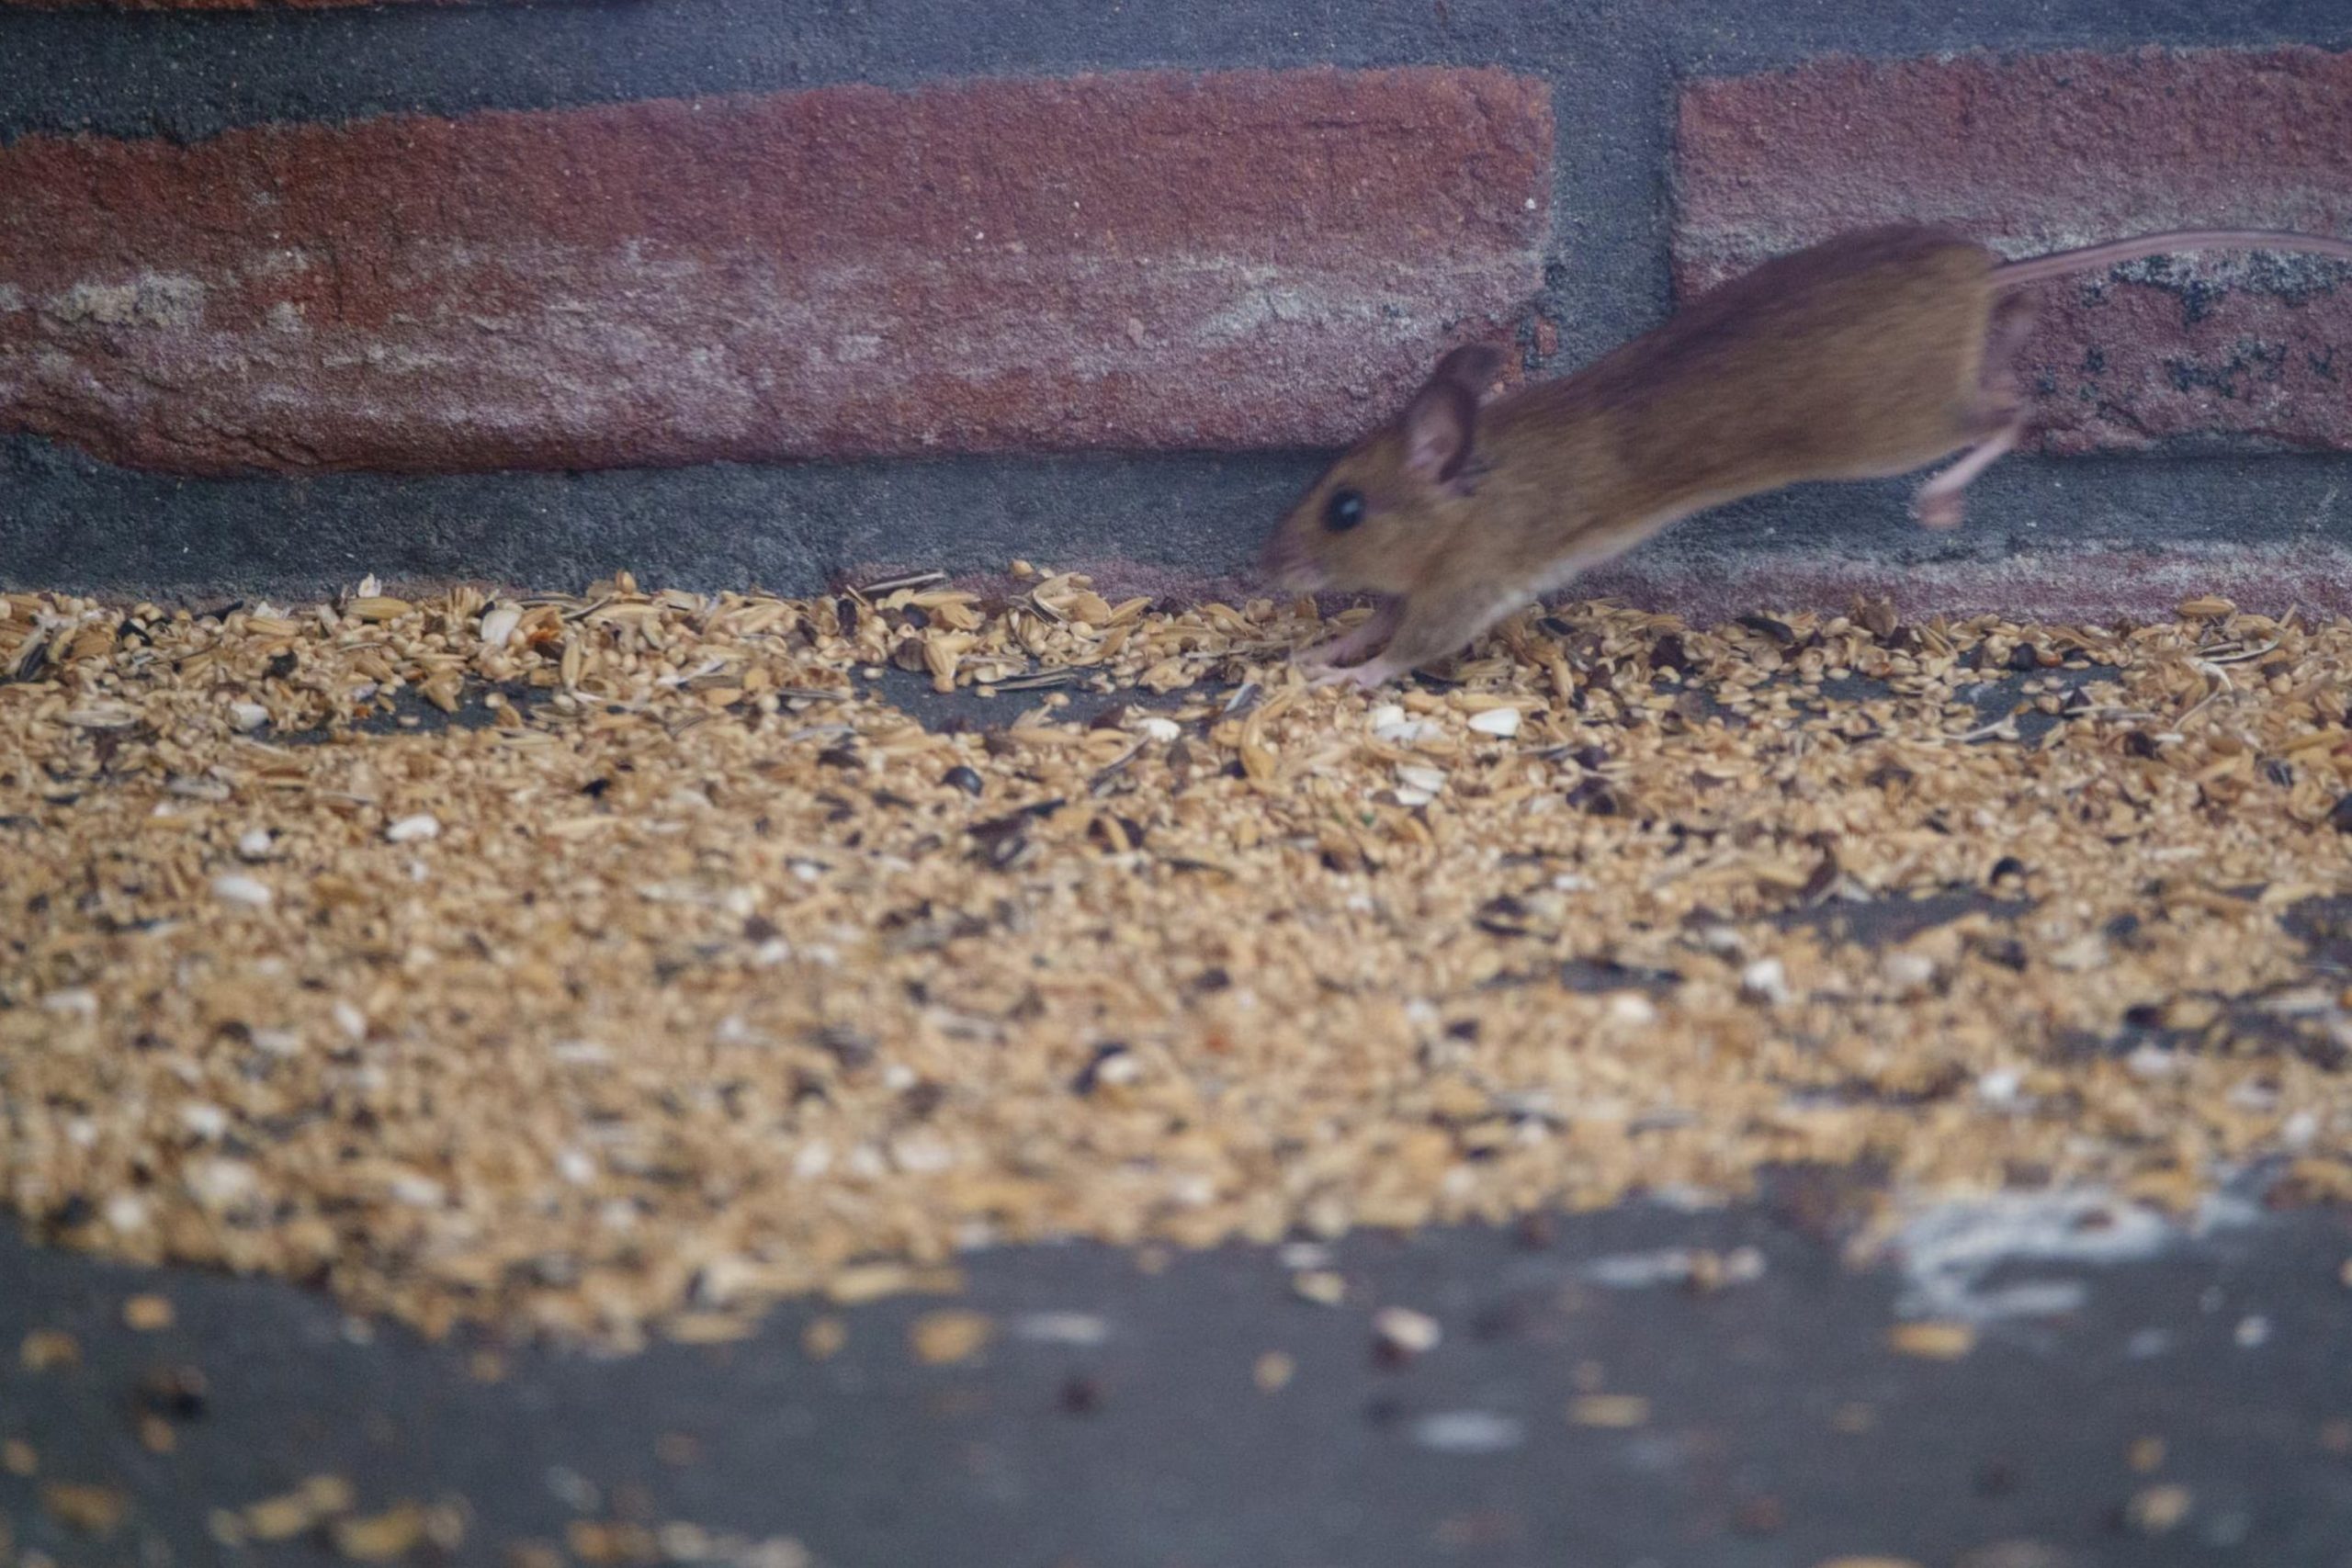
1867, 356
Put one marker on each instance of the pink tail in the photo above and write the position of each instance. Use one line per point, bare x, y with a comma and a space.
2061, 264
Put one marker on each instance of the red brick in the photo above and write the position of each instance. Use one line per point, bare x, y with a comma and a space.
2045, 152
1247, 259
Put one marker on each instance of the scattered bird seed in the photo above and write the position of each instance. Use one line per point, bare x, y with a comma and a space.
684, 993
1405, 1331
949, 1336
148, 1315
1932, 1341
1609, 1410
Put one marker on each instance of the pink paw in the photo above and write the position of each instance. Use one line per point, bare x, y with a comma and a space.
1937, 510
1372, 673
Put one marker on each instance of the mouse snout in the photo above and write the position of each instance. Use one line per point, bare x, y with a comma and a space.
1284, 562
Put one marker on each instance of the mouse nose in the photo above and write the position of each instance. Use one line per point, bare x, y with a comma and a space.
1281, 560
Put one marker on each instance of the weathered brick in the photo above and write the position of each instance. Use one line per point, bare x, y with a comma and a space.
1245, 259
2045, 152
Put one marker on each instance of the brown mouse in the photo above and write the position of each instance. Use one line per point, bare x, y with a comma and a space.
1866, 355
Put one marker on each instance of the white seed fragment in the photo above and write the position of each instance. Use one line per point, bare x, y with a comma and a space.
205, 1120
498, 625
415, 829
256, 844
1630, 1009
1765, 980
1469, 1432
1153, 726
1080, 1328
1501, 723
248, 715
1908, 971
1403, 1329
1428, 780
232, 888
76, 1001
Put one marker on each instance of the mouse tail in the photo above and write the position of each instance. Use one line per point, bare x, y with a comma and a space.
2063, 263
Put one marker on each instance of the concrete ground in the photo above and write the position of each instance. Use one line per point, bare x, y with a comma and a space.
2188, 1405
2035, 1378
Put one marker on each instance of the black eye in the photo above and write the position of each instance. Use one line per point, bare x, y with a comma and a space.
1344, 511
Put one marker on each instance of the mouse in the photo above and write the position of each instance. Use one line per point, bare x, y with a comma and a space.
1869, 355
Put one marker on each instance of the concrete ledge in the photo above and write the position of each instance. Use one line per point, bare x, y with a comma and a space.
2091, 537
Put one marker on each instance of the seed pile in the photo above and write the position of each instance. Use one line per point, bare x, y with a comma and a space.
587, 965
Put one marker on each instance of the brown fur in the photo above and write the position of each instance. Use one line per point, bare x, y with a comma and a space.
1867, 356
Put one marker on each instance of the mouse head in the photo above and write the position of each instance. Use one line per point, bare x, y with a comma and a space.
1378, 515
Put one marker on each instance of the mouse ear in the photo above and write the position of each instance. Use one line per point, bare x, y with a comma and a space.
1474, 364
1437, 429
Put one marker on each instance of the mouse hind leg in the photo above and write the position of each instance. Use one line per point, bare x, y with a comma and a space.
1996, 420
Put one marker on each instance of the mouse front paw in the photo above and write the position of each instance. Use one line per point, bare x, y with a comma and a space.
1937, 510
1369, 675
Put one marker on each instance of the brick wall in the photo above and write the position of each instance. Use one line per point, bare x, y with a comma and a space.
1235, 260
2043, 152
1040, 262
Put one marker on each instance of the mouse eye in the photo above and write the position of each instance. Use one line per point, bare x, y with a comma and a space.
1344, 511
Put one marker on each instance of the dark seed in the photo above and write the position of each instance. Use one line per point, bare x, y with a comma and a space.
2005, 867
1593, 795
758, 929
907, 656
1089, 1078
1668, 653
2279, 772
2339, 815
922, 1099
1504, 916
179, 1393
2025, 655
2007, 951
1779, 631
2140, 743
963, 779
846, 1045
284, 665
838, 757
